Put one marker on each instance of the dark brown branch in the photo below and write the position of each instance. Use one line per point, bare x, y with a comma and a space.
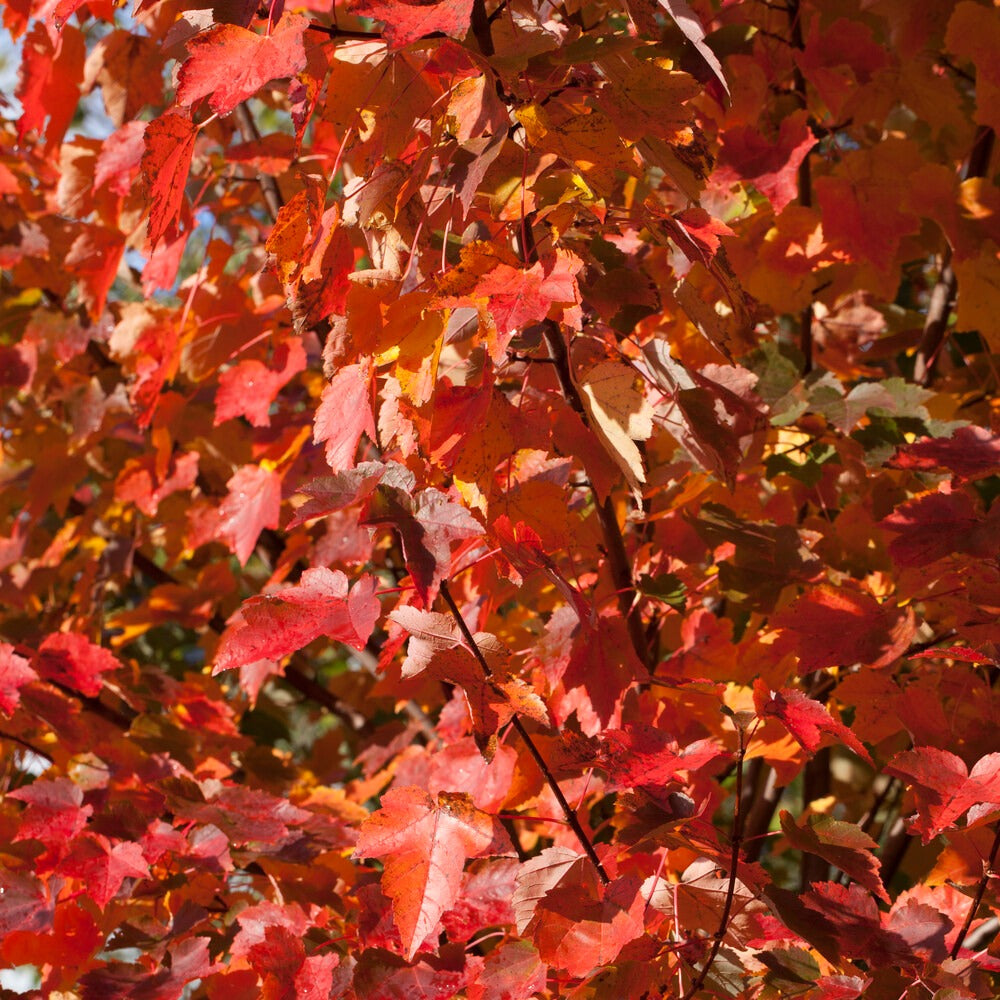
734, 862
248, 129
980, 892
944, 292
550, 780
804, 178
767, 794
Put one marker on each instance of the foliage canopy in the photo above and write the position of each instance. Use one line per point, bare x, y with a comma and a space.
499, 499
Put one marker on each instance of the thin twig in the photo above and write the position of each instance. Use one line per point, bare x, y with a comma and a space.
269, 186
734, 861
550, 780
980, 892
804, 177
944, 292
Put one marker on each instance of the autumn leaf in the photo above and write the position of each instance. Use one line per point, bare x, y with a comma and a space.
252, 504
104, 866
945, 789
228, 63
620, 413
344, 414
834, 626
71, 659
269, 627
169, 148
424, 844
409, 20
805, 718
15, 672
840, 843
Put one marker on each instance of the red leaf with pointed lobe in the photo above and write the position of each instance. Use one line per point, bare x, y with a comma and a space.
941, 524
253, 504
944, 787
50, 78
15, 672
72, 659
428, 524
842, 844
833, 626
961, 653
575, 931
249, 388
328, 494
484, 899
272, 626
513, 971
228, 63
169, 148
55, 813
424, 844
970, 453
807, 720
120, 158
772, 167
344, 414
104, 866
409, 20
641, 755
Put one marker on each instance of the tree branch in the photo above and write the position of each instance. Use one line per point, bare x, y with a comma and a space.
980, 892
734, 862
248, 129
550, 780
944, 292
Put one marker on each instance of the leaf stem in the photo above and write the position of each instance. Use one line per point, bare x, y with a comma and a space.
550, 780
980, 892
734, 861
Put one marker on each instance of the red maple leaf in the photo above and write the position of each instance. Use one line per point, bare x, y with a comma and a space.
55, 811
228, 63
970, 453
409, 20
344, 414
274, 625
804, 718
944, 787
772, 167
103, 866
253, 504
424, 844
72, 659
249, 388
169, 142
835, 626
15, 672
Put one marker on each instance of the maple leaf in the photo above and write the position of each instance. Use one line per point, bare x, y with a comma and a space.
428, 524
805, 718
834, 626
514, 971
55, 813
15, 672
938, 525
104, 866
409, 20
620, 414
344, 414
748, 155
228, 63
249, 388
270, 627
424, 844
252, 504
944, 787
698, 900
169, 148
970, 453
575, 931
71, 659
842, 844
